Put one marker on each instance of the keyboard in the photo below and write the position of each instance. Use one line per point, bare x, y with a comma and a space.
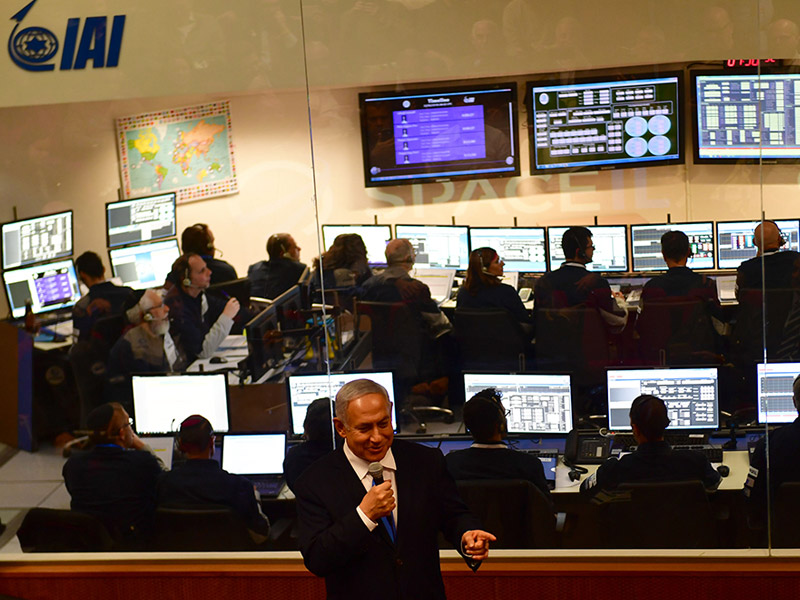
541, 452
269, 487
712, 453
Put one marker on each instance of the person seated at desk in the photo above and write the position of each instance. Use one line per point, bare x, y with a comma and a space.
483, 287
318, 441
489, 457
201, 482
679, 280
654, 459
395, 284
269, 279
104, 298
572, 284
344, 264
198, 323
199, 240
115, 480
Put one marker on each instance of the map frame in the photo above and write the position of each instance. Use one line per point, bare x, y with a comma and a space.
143, 122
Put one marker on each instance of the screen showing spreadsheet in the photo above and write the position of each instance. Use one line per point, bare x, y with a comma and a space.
775, 381
521, 248
646, 245
37, 240
610, 248
736, 240
140, 220
437, 246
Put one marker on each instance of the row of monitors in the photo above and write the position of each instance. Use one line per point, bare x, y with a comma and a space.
593, 121
536, 403
724, 244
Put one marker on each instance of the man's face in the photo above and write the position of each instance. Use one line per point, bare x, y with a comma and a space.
368, 430
589, 250
122, 429
292, 249
199, 273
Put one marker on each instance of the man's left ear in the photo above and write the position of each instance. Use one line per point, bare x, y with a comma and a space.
340, 429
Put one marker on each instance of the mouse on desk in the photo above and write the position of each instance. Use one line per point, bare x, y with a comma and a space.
217, 360
724, 470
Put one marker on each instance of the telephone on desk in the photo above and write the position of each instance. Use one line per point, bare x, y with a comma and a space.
586, 447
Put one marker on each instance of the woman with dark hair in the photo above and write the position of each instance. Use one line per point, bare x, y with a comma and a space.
483, 287
345, 263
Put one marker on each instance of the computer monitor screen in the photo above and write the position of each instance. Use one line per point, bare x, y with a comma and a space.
140, 220
264, 343
48, 287
735, 240
375, 239
537, 403
775, 381
438, 134
646, 245
254, 453
605, 122
437, 246
610, 248
144, 266
161, 402
304, 389
691, 396
36, 240
521, 248
746, 117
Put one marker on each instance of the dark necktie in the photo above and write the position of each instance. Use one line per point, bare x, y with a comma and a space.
388, 523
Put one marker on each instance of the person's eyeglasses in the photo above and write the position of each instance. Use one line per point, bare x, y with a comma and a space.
128, 424
590, 247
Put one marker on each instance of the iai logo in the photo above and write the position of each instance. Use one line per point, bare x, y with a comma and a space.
34, 48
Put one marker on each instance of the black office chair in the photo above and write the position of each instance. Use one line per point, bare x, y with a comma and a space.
199, 529
659, 515
677, 331
89, 370
52, 530
786, 517
490, 339
514, 510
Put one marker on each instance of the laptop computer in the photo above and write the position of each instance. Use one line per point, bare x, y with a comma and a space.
257, 456
439, 281
726, 288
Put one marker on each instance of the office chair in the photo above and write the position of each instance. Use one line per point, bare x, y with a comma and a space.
514, 510
199, 529
52, 530
490, 339
677, 331
785, 517
659, 515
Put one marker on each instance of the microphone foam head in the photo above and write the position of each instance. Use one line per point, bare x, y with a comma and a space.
375, 470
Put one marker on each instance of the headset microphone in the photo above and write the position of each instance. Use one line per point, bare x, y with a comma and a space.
147, 316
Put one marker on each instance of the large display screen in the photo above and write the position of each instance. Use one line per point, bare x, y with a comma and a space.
646, 245
375, 239
140, 220
439, 133
144, 266
750, 117
610, 248
605, 122
48, 287
736, 240
522, 249
437, 246
36, 240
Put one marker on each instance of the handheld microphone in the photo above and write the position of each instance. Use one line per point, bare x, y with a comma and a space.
375, 470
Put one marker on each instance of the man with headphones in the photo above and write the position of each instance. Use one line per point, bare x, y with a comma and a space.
200, 481
269, 279
489, 457
199, 240
573, 284
654, 459
199, 323
104, 297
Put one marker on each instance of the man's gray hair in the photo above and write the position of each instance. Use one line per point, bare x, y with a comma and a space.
399, 252
355, 390
149, 299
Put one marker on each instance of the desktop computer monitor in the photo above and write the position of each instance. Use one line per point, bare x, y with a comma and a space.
522, 249
646, 245
736, 243
375, 239
536, 403
37, 239
162, 401
140, 220
775, 392
437, 246
304, 389
254, 453
48, 287
690, 394
610, 248
144, 266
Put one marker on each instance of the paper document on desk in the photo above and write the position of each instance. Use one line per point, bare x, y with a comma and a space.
233, 342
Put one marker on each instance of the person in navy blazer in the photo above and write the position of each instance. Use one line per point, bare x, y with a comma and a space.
351, 529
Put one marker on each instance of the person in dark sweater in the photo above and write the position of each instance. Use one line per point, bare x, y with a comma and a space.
489, 457
269, 279
104, 298
198, 239
318, 434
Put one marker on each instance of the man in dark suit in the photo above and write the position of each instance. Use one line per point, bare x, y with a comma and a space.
269, 279
354, 533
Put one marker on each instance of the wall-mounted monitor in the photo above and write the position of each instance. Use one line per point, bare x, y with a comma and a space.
746, 117
140, 220
437, 246
610, 248
522, 249
601, 122
691, 396
439, 133
144, 266
37, 239
375, 239
49, 287
735, 240
537, 403
775, 380
646, 245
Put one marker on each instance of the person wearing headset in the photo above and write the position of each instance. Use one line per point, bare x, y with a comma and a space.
489, 457
198, 322
199, 240
270, 278
483, 287
572, 284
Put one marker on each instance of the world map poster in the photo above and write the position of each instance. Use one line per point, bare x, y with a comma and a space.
186, 150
